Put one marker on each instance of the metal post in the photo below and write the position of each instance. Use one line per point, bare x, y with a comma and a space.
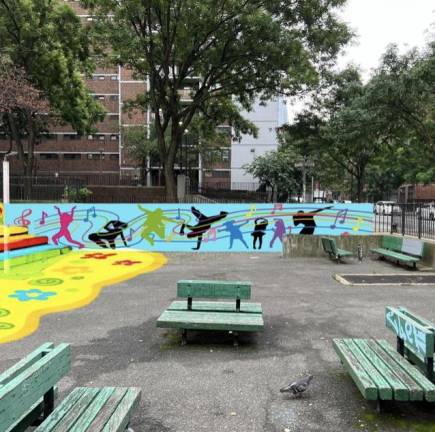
6, 200
6, 196
403, 219
419, 221
304, 181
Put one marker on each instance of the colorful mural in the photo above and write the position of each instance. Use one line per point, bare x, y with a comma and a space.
177, 228
62, 281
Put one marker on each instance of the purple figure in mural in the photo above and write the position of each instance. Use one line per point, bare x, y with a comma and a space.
235, 232
278, 231
65, 219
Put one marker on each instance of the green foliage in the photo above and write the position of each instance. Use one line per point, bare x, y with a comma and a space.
229, 52
46, 39
371, 137
74, 194
276, 169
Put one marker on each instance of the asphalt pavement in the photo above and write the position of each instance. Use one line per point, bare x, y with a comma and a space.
209, 385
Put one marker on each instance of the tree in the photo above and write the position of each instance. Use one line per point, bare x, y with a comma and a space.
17, 94
276, 169
229, 52
341, 128
141, 145
45, 39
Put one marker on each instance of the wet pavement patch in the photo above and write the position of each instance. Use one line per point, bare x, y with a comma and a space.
386, 279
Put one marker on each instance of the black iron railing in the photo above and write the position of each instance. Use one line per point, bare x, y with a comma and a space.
413, 219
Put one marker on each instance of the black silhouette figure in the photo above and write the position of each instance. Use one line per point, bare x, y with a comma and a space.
259, 231
203, 225
113, 229
307, 219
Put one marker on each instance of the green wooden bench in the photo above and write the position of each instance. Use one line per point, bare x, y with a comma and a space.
383, 374
330, 247
409, 251
27, 393
212, 315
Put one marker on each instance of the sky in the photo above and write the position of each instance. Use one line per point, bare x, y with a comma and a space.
378, 23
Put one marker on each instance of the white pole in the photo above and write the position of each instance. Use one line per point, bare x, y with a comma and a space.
6, 196
6, 199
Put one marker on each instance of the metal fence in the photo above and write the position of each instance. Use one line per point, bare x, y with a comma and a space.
413, 219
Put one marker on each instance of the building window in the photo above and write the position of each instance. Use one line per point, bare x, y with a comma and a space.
71, 137
113, 97
113, 137
90, 137
225, 155
114, 157
48, 156
114, 77
96, 156
113, 117
72, 156
101, 137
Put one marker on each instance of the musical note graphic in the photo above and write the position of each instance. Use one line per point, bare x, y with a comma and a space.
130, 235
340, 214
251, 211
211, 235
22, 219
277, 206
91, 210
359, 222
43, 216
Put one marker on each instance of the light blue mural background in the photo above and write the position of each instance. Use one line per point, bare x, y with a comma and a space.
147, 230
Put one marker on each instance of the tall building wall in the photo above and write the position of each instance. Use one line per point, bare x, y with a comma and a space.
268, 118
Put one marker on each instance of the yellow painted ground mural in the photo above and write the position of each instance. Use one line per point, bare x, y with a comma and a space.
63, 282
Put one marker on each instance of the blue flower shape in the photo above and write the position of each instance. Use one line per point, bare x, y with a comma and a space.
32, 294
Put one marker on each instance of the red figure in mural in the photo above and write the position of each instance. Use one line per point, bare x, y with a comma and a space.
65, 220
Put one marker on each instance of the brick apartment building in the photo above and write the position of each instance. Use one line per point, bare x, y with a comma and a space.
64, 152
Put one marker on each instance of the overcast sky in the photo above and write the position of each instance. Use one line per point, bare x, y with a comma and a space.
378, 23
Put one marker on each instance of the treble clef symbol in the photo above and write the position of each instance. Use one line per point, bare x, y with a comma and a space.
21, 220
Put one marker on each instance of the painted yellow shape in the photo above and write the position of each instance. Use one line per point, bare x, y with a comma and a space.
67, 282
12, 230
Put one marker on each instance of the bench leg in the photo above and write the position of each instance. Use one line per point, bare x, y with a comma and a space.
380, 406
48, 403
183, 337
235, 339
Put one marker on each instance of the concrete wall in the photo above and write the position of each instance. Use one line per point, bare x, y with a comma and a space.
311, 246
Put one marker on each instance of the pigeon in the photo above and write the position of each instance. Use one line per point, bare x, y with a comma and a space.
298, 387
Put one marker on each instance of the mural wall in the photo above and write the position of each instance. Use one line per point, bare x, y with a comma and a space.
185, 227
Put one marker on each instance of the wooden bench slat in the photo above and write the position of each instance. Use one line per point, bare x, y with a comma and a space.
24, 364
214, 289
204, 306
359, 375
384, 389
236, 321
87, 417
122, 415
418, 338
106, 411
414, 373
342, 252
27, 388
416, 393
422, 321
396, 255
62, 410
400, 390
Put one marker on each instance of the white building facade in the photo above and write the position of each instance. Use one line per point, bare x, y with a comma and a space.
268, 119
